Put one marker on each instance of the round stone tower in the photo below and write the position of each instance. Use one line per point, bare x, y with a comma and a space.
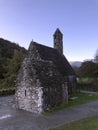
58, 41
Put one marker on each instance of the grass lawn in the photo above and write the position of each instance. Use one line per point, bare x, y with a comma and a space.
81, 98
84, 124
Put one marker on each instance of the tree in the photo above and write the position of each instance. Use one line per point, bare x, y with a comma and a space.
12, 68
11, 56
76, 69
1, 68
96, 57
13, 64
88, 69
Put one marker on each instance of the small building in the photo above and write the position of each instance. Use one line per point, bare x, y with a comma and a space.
45, 77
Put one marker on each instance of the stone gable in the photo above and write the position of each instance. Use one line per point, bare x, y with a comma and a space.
42, 80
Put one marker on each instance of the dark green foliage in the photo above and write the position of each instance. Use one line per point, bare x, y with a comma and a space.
76, 69
88, 69
11, 56
14, 63
88, 76
9, 91
89, 84
1, 68
7, 48
8, 81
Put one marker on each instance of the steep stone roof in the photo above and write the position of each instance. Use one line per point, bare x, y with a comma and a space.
45, 64
45, 71
41, 52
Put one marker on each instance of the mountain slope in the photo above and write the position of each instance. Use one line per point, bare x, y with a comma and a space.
76, 63
7, 48
11, 56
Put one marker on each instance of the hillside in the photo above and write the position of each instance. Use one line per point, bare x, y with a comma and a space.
11, 56
7, 48
76, 63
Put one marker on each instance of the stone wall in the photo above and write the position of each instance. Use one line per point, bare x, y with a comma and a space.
54, 96
40, 86
30, 99
28, 92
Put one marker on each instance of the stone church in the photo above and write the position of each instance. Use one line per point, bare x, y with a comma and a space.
45, 78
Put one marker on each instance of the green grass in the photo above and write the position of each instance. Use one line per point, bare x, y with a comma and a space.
81, 98
84, 124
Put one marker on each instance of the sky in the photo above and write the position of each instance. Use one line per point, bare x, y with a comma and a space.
22, 21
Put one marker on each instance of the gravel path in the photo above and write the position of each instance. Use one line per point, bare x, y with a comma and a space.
12, 119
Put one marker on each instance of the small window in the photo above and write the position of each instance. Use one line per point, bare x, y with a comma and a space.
25, 93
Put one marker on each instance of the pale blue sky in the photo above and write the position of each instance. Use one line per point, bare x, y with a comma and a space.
24, 20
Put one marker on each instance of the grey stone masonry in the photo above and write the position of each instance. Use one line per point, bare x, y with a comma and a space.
42, 80
58, 41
